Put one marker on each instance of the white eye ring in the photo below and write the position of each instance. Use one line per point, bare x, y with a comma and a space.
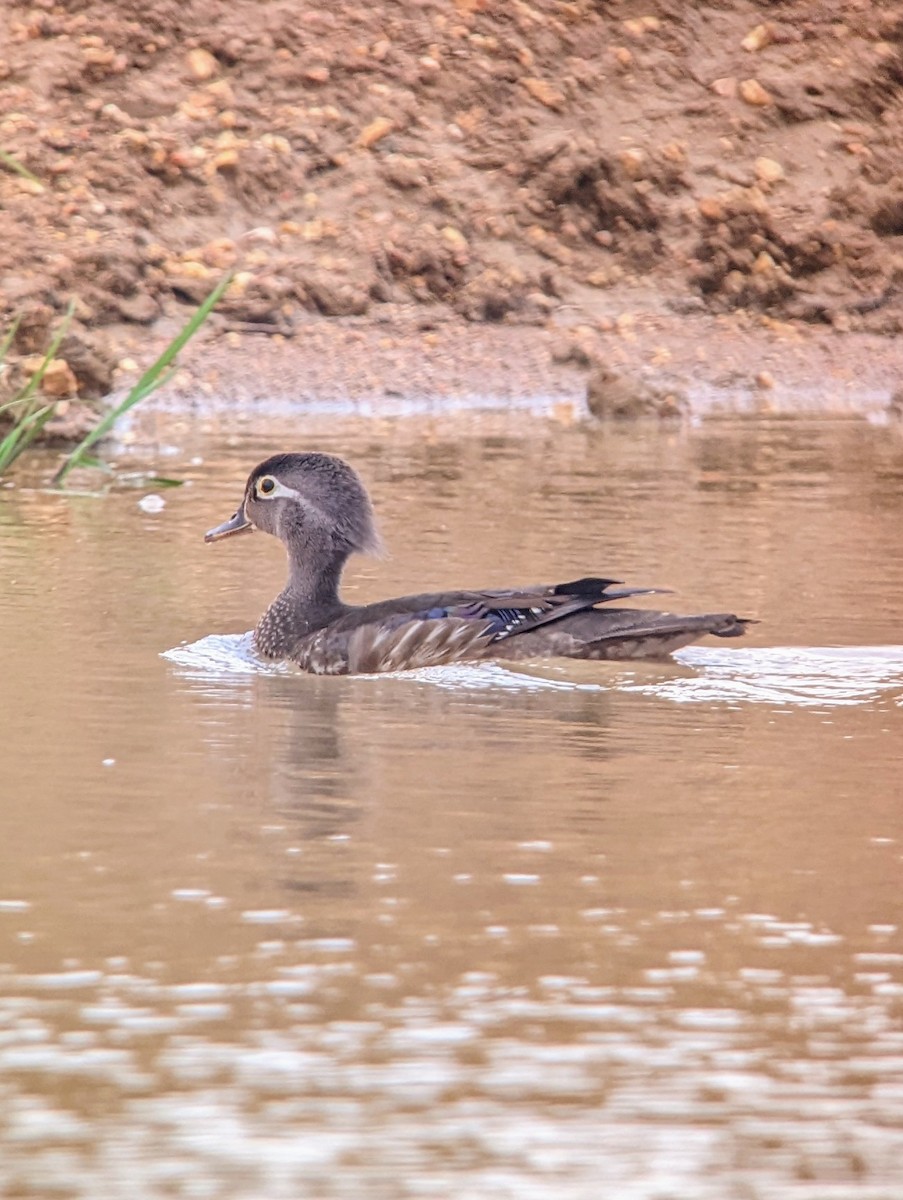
266, 487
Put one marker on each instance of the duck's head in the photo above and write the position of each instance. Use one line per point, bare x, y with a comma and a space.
306, 500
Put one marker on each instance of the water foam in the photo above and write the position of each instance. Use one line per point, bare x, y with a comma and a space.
808, 676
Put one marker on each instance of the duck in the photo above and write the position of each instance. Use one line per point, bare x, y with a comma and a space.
317, 506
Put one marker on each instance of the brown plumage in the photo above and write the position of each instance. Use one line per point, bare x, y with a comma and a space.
318, 507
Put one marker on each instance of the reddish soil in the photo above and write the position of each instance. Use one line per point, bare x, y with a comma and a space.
627, 174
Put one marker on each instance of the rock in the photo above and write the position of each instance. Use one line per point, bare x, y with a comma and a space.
710, 208
752, 92
59, 378
548, 246
221, 92
605, 277
632, 161
639, 26
768, 170
226, 160
99, 56
260, 235
334, 298
190, 268
201, 65
674, 152
574, 351
492, 295
726, 87
457, 242
87, 354
759, 37
219, 253
141, 309
610, 396
403, 172
374, 132
544, 93
189, 288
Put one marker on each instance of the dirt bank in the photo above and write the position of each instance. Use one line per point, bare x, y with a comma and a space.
625, 178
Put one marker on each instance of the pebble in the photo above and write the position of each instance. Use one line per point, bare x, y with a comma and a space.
544, 92
261, 234
59, 379
758, 38
752, 92
764, 264
188, 270
221, 92
769, 170
454, 238
675, 152
226, 160
140, 308
201, 65
375, 132
639, 26
711, 208
217, 253
632, 161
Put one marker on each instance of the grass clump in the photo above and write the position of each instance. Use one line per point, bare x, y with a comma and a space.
30, 412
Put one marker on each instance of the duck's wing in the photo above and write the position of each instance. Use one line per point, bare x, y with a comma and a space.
508, 613
622, 633
432, 629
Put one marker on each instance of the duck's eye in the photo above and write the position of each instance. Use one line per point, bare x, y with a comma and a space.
266, 486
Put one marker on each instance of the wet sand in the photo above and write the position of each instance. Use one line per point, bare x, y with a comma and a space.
716, 365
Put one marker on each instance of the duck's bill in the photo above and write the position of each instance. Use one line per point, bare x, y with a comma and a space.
237, 523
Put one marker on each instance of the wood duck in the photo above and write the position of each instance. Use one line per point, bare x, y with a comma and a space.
318, 508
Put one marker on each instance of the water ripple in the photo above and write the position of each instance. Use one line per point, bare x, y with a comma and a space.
796, 675
832, 676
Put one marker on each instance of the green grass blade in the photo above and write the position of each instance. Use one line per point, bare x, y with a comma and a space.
8, 339
14, 165
23, 433
35, 382
30, 419
158, 374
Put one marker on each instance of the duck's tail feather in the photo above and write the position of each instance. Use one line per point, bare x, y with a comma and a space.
598, 590
635, 634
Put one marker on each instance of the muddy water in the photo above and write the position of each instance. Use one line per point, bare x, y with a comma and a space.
572, 931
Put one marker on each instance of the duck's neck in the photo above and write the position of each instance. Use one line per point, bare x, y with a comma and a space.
309, 600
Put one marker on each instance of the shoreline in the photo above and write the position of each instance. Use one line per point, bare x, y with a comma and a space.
730, 366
